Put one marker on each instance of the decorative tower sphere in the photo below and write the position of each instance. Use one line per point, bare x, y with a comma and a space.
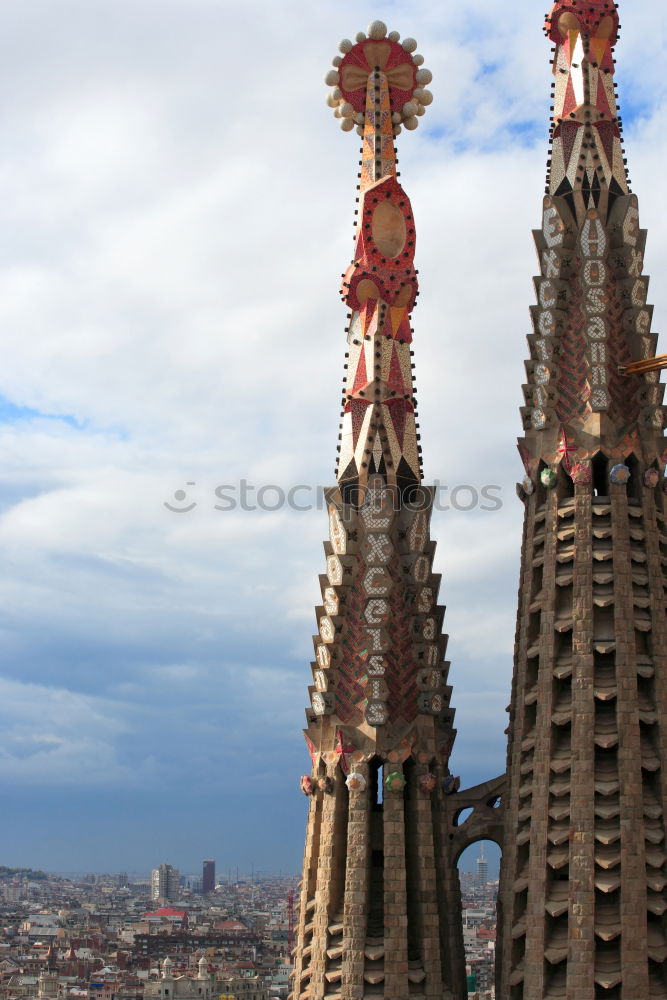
355, 782
548, 478
377, 30
379, 52
428, 783
306, 784
620, 475
582, 474
394, 782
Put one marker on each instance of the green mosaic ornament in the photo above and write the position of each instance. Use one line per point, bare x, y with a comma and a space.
394, 782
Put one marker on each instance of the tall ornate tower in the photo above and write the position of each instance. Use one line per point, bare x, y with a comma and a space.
583, 873
379, 906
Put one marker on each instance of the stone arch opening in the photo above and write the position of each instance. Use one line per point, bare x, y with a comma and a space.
475, 815
462, 815
484, 841
600, 479
478, 863
634, 487
564, 483
375, 895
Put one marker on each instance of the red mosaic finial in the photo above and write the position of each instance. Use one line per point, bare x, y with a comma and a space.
597, 18
378, 86
587, 162
383, 52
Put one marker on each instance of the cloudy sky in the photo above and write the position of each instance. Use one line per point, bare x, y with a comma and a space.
176, 209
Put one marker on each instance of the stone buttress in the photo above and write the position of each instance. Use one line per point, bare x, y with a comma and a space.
379, 912
583, 873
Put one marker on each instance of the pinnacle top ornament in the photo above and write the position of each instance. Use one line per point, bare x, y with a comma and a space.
378, 84
597, 18
381, 52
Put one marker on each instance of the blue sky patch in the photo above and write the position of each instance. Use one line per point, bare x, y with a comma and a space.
10, 413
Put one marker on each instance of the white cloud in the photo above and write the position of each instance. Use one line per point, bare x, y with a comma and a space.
52, 735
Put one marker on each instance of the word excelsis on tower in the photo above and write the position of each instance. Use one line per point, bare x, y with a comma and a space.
583, 877
379, 905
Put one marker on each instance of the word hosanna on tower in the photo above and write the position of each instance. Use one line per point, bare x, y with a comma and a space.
580, 813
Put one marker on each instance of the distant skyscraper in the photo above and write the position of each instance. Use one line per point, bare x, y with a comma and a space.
164, 883
208, 876
482, 870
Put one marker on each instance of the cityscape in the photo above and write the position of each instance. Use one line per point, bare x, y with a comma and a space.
126, 937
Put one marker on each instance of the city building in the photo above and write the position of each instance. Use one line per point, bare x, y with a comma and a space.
582, 888
208, 876
380, 904
175, 919
165, 884
245, 986
180, 987
482, 870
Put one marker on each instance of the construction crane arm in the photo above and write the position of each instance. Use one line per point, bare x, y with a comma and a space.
646, 365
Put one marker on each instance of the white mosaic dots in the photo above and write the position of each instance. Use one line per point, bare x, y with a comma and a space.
377, 549
334, 570
337, 532
377, 581
428, 628
377, 611
331, 601
376, 713
323, 657
327, 630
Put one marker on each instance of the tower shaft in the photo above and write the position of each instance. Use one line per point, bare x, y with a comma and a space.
583, 872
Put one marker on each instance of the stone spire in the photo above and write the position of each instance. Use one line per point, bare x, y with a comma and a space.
591, 317
587, 166
379, 905
583, 871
